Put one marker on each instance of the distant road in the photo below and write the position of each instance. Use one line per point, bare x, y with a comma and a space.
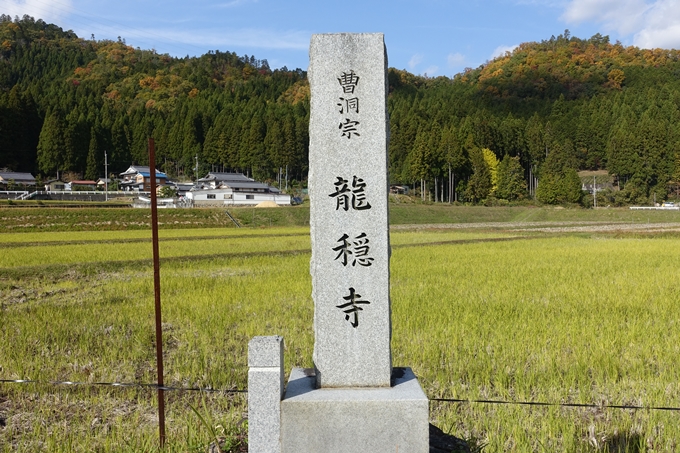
550, 227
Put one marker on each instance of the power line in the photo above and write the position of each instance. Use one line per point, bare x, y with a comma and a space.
539, 403
121, 384
441, 400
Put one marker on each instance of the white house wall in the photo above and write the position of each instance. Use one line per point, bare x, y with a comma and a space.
240, 199
235, 198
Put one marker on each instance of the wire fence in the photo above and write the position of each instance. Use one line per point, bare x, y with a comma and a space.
440, 400
121, 384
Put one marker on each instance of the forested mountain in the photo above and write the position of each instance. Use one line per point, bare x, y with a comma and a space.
557, 106
64, 100
540, 113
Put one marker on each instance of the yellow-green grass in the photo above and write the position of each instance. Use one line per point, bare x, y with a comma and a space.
102, 236
14, 220
573, 320
91, 247
568, 319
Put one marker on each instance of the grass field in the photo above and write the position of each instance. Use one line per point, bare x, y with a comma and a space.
41, 219
562, 318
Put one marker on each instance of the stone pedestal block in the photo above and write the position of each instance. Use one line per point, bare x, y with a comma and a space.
354, 420
265, 389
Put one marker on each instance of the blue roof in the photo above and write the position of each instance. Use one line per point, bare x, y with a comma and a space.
158, 174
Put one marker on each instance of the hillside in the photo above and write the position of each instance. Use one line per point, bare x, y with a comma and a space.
557, 105
542, 112
64, 100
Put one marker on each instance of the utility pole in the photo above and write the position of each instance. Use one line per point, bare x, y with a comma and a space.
196, 168
594, 192
106, 177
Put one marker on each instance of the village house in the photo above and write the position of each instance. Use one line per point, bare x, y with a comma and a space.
138, 178
234, 189
54, 185
215, 180
595, 181
399, 190
103, 183
81, 185
182, 187
11, 178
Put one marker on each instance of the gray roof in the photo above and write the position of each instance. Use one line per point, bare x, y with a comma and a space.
216, 176
17, 177
245, 185
236, 181
134, 169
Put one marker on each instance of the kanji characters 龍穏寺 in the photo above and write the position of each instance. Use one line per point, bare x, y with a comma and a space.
351, 308
346, 197
354, 251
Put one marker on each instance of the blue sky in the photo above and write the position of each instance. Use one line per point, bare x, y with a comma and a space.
433, 37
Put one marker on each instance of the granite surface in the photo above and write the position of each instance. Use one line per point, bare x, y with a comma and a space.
265, 390
347, 420
348, 189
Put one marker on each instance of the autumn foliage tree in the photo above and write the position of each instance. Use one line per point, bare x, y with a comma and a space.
601, 105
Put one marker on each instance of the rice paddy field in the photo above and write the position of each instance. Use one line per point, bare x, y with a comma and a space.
523, 306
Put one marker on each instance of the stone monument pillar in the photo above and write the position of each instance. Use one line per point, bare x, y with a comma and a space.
352, 400
348, 189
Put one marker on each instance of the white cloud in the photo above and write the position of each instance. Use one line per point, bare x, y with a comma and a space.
500, 50
624, 16
661, 26
415, 61
178, 42
651, 24
431, 70
667, 38
233, 3
256, 38
49, 11
456, 59
549, 3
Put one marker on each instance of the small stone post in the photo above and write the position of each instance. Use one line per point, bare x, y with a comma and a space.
265, 390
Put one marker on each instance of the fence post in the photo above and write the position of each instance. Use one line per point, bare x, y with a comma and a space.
265, 390
157, 294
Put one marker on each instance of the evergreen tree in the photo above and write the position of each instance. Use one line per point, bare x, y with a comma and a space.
479, 186
51, 144
511, 184
273, 143
92, 169
559, 182
421, 160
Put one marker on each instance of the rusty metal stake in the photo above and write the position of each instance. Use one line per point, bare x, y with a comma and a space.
157, 293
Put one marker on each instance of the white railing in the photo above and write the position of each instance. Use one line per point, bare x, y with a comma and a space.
91, 192
26, 195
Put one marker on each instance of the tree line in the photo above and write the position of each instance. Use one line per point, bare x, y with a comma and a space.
519, 126
65, 100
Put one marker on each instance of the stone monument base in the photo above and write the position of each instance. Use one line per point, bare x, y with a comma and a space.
354, 420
